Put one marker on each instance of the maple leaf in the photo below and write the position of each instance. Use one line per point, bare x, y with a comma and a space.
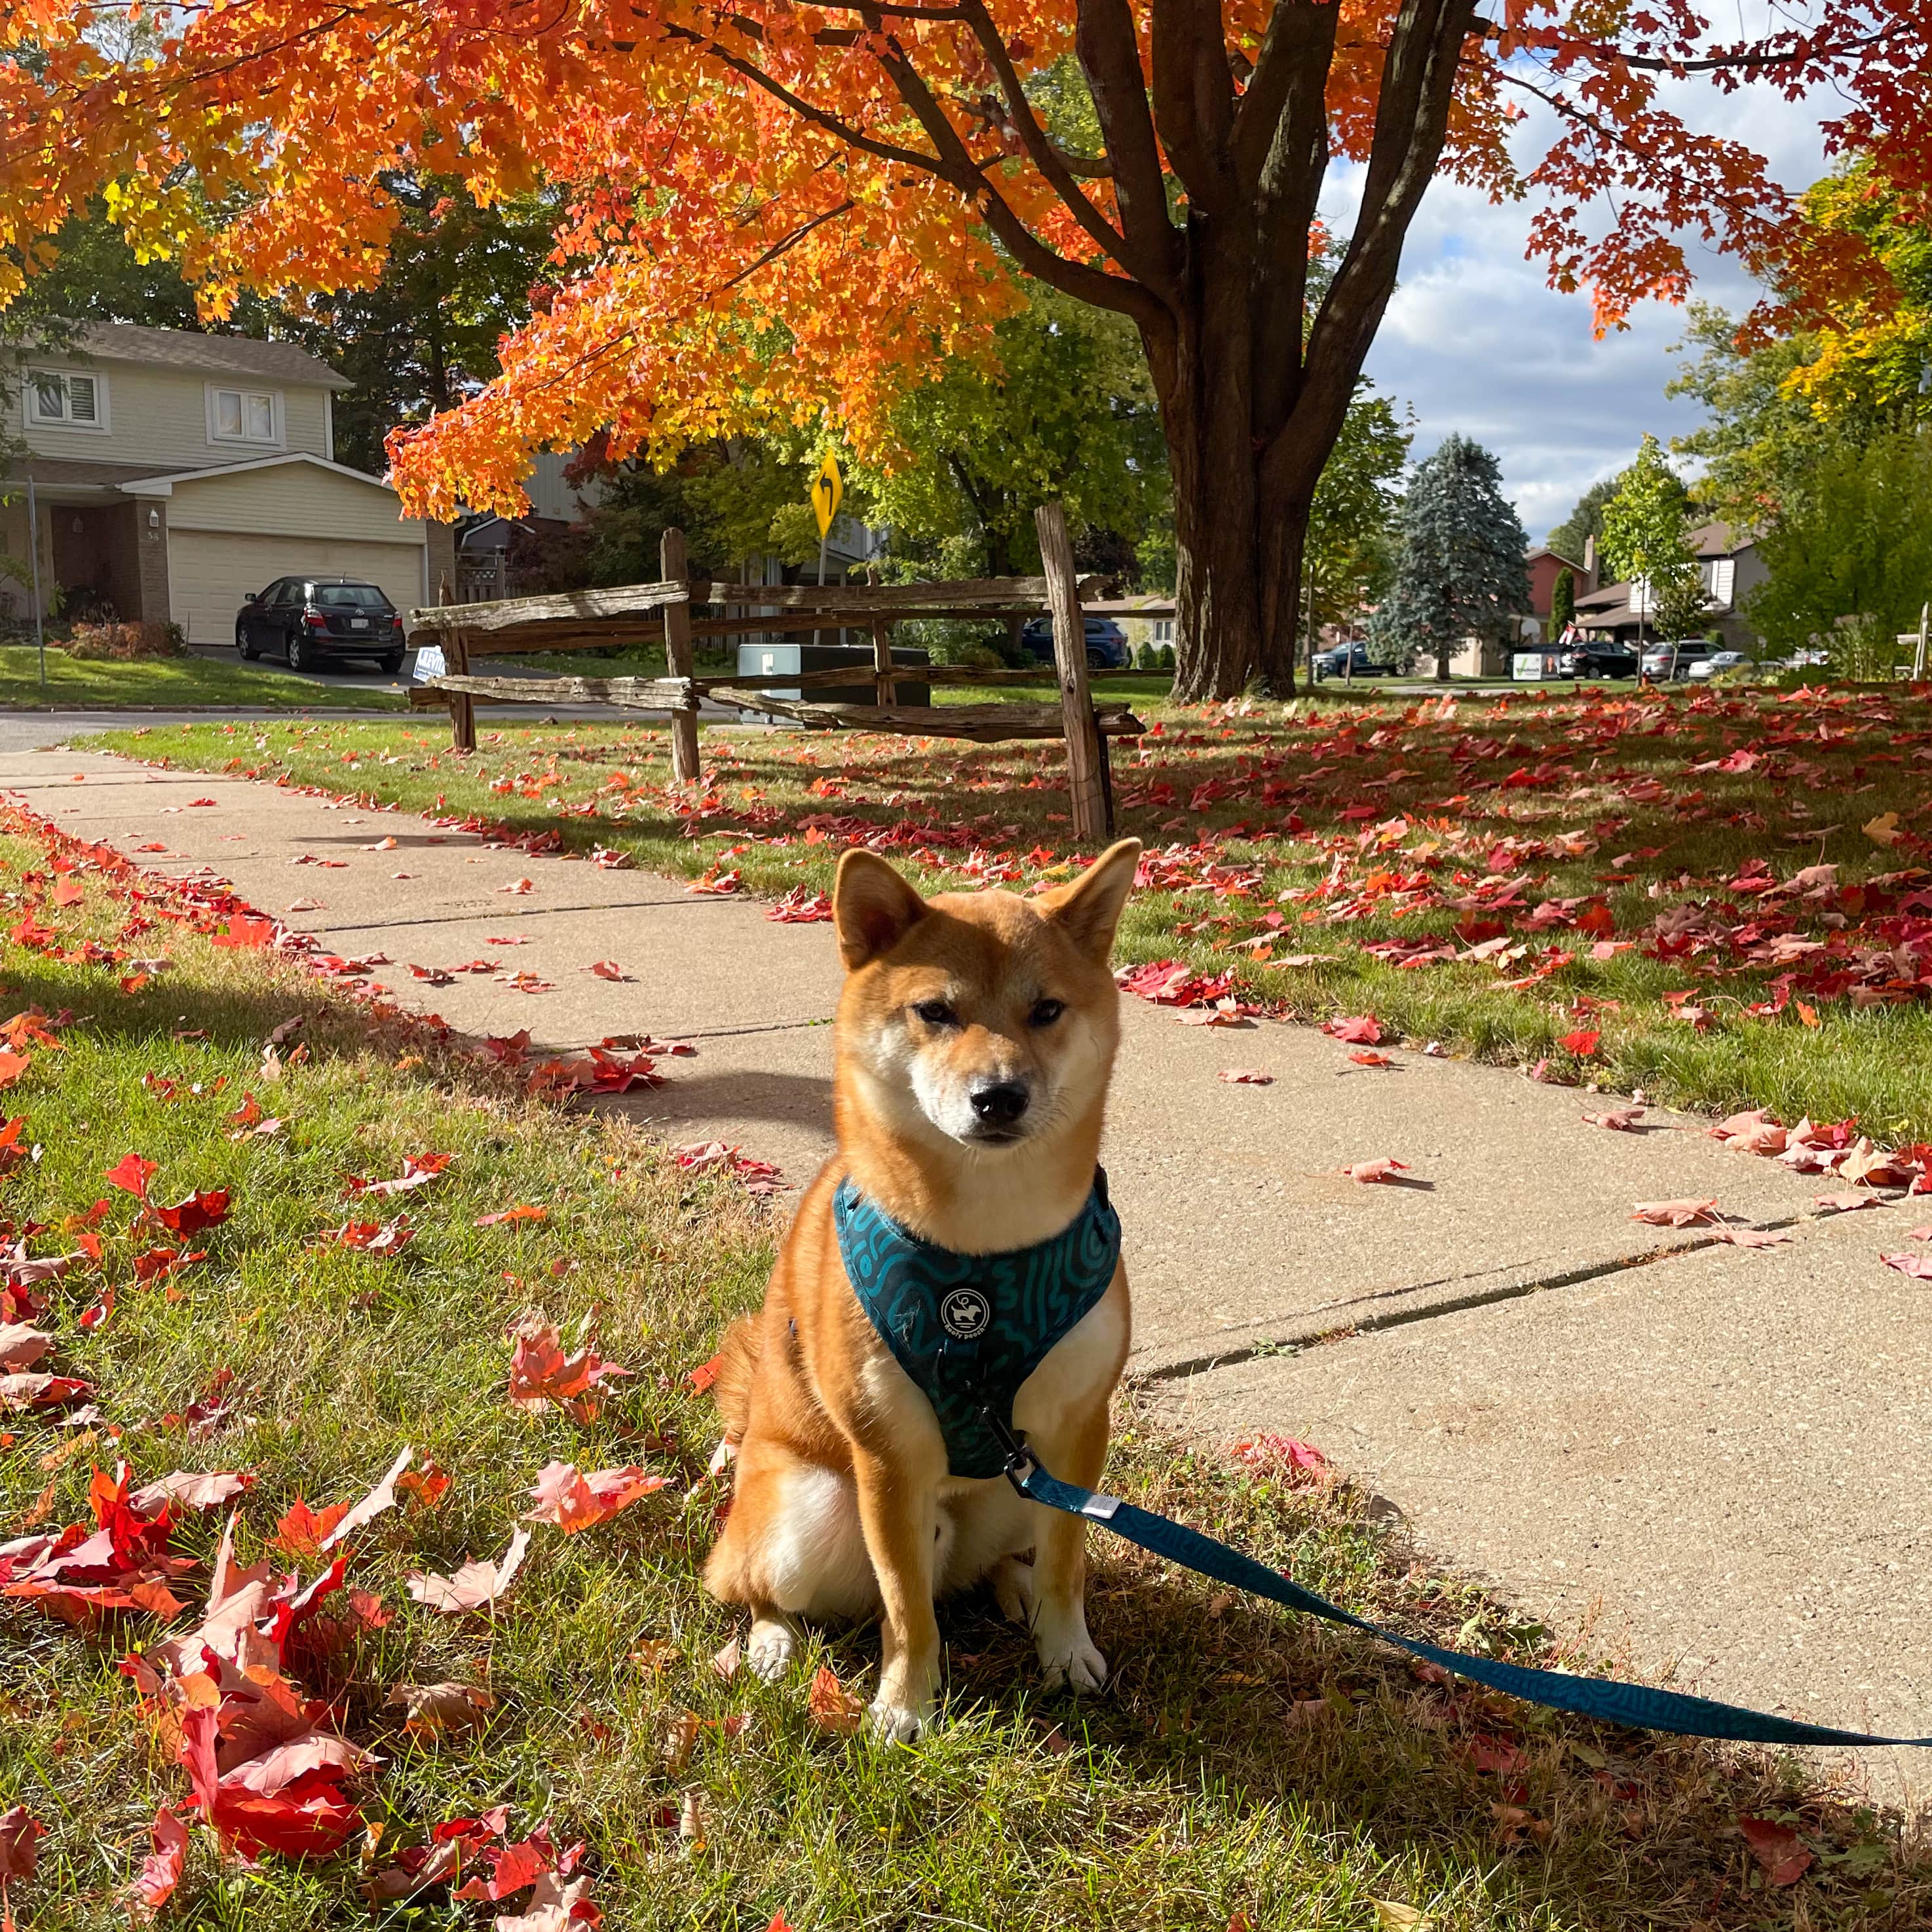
204, 1208
432, 1710
20, 1835
832, 1707
1916, 1268
1784, 1857
476, 1586
519, 888
1357, 1030
1674, 1213
131, 1174
21, 1345
1384, 1167
541, 1372
1752, 1237
1845, 1201
381, 1498
1248, 1076
801, 906
12, 1067
300, 1530
1373, 1060
608, 969
1583, 1042
574, 1499
192, 1490
1619, 1119
524, 1211
418, 1170
161, 1869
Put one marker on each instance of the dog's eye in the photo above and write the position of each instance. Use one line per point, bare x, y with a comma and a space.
936, 1013
1045, 1012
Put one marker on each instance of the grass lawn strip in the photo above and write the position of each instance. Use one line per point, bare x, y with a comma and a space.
1241, 1769
1723, 900
166, 684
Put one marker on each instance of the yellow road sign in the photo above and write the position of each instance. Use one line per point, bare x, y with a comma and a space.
828, 492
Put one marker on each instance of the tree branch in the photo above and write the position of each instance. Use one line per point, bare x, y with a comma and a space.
1194, 99
1104, 42
1033, 138
1412, 120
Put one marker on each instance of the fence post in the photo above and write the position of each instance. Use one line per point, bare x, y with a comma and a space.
675, 567
884, 691
1084, 750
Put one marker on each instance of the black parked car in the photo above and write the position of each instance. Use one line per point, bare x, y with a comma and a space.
1107, 647
1604, 660
311, 620
1334, 663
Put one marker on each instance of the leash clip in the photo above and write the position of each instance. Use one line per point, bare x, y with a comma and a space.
1020, 1463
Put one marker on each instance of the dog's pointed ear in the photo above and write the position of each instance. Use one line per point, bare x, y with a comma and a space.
872, 908
1089, 909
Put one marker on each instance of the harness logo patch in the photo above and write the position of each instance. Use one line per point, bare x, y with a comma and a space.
964, 1313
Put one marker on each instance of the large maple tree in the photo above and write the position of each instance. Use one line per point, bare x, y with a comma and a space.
770, 211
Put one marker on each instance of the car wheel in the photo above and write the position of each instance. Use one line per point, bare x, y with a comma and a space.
389, 663
299, 655
245, 644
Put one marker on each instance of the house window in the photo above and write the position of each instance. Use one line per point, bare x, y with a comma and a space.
244, 416
1722, 581
58, 398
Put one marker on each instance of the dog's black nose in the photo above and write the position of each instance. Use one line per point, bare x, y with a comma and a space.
1000, 1105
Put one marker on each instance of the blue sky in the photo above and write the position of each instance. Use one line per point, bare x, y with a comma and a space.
1474, 340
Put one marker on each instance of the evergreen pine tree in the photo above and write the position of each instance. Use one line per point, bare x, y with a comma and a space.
1460, 572
1562, 601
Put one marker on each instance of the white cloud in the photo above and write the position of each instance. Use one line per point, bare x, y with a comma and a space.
1474, 340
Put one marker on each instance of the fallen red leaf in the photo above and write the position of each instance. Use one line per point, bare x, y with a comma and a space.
12, 1067
161, 1869
204, 1208
1357, 1029
1583, 1042
1385, 1167
1915, 1267
607, 969
1251, 1076
540, 1372
20, 1835
1785, 1857
832, 1707
1372, 1060
575, 1500
1674, 1213
131, 1174
476, 1586
522, 1211
1619, 1119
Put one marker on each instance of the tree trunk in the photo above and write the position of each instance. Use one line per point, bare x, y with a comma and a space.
1240, 531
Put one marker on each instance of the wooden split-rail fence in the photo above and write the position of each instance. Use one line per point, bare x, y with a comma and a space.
588, 619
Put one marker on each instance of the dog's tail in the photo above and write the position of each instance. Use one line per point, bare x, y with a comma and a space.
737, 1362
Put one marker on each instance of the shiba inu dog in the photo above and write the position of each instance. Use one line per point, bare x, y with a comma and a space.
976, 1035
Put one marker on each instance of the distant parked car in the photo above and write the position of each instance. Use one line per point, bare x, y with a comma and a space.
1335, 663
1662, 662
313, 620
1107, 647
1704, 669
1609, 660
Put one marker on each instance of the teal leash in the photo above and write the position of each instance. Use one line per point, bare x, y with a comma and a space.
1640, 1706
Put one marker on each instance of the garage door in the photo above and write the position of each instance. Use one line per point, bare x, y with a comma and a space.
211, 573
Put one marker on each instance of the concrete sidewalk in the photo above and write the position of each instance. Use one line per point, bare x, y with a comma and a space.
1721, 1457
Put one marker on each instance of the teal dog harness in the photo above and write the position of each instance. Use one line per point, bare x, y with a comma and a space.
969, 1329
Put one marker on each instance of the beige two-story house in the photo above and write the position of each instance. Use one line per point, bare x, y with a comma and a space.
175, 474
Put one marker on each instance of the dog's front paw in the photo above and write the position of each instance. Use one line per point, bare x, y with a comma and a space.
896, 1724
770, 1650
1013, 1590
1074, 1664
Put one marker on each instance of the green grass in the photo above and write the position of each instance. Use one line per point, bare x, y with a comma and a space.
187, 683
1252, 804
1239, 1763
